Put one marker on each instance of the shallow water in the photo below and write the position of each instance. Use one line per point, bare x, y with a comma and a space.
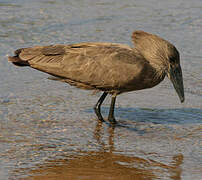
48, 129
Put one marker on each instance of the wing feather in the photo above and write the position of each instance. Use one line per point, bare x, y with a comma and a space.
106, 66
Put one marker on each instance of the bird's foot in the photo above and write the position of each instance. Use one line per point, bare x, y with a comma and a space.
112, 120
101, 119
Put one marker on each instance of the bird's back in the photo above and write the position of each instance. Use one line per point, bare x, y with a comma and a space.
105, 66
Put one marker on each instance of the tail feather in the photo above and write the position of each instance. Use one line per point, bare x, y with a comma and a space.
16, 60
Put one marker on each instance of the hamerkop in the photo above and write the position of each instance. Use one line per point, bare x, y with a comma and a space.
108, 67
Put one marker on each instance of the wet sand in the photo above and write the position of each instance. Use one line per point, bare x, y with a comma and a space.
48, 129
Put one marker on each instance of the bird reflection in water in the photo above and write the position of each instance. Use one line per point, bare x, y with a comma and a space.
107, 163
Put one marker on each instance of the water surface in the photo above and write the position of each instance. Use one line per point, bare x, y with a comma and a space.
48, 129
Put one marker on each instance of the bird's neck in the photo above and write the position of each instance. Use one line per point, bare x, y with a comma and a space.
157, 64
159, 71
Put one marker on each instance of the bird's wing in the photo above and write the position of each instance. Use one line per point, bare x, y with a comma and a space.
100, 65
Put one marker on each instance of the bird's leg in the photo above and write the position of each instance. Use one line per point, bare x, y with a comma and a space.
98, 105
111, 111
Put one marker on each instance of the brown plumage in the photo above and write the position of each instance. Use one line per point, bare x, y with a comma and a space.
109, 67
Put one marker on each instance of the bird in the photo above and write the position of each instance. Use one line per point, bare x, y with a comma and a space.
111, 68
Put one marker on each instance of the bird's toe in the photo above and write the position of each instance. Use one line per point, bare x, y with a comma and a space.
112, 121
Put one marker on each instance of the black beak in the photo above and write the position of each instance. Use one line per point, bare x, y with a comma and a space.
175, 75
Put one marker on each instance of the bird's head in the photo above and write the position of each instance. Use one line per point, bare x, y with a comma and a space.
163, 56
